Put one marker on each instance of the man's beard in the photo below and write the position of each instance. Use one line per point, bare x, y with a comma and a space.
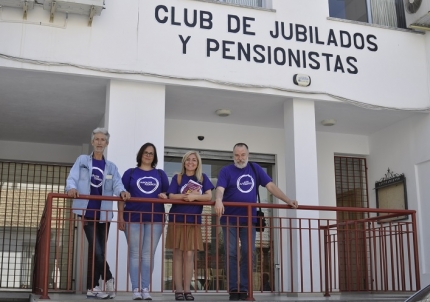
241, 165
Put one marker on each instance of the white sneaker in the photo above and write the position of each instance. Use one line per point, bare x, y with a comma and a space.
110, 288
97, 293
137, 295
145, 294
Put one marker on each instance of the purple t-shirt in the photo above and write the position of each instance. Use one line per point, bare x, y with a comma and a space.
144, 184
241, 185
96, 188
193, 210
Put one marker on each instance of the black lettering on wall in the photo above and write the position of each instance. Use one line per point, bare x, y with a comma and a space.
283, 31
345, 39
358, 41
205, 20
246, 25
157, 13
316, 64
184, 43
354, 69
374, 46
276, 51
210, 48
226, 49
242, 51
327, 56
338, 65
295, 58
230, 27
301, 33
331, 38
194, 22
275, 34
173, 17
260, 58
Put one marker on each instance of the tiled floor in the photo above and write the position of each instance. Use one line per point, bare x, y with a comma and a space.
360, 297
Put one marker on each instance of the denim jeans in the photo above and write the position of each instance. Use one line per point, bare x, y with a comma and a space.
142, 250
230, 233
97, 234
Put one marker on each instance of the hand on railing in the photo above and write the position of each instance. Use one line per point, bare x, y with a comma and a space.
73, 193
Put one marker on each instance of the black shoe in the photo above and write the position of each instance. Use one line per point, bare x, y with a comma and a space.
234, 297
243, 296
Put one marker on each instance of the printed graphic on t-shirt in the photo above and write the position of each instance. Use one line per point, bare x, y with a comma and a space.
147, 184
245, 183
96, 177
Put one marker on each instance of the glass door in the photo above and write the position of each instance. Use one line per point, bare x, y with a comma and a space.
210, 263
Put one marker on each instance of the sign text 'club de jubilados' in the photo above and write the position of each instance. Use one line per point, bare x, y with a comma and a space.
267, 54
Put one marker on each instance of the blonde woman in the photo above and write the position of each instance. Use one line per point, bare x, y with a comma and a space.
184, 233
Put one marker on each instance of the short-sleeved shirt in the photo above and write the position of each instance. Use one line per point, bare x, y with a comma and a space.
193, 210
96, 188
241, 185
144, 184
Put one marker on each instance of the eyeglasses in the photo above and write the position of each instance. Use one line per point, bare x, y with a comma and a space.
149, 154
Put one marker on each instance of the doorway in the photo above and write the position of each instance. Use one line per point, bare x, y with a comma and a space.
352, 191
210, 263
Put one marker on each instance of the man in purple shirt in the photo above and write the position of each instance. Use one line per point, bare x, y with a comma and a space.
239, 182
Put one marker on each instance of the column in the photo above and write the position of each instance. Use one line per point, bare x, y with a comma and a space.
134, 116
302, 185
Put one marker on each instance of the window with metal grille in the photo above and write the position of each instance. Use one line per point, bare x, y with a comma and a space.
23, 191
351, 191
253, 3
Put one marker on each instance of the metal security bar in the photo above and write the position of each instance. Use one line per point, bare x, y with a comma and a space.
23, 191
352, 250
254, 3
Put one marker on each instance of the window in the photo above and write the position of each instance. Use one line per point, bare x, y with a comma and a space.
23, 191
255, 3
355, 10
383, 12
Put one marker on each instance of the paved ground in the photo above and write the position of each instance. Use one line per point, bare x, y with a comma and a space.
359, 297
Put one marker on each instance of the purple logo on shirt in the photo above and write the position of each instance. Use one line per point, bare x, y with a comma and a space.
147, 184
245, 183
96, 177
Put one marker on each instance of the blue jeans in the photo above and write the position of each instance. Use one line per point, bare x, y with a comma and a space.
230, 233
97, 234
142, 250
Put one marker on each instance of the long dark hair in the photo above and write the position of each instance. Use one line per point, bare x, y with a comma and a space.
140, 153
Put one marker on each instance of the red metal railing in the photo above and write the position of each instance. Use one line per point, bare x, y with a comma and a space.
294, 255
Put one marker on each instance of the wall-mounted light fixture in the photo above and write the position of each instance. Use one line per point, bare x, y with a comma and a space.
328, 122
223, 112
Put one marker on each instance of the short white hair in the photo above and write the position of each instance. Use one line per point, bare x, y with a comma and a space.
100, 130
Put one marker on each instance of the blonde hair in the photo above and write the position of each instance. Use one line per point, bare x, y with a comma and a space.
198, 173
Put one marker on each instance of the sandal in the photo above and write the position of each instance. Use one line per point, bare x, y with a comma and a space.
189, 297
179, 296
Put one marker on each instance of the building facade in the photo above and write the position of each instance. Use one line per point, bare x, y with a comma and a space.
158, 70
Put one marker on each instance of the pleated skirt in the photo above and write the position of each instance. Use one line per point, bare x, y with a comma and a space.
185, 237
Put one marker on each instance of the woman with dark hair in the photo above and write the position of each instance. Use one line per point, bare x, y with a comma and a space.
143, 221
184, 234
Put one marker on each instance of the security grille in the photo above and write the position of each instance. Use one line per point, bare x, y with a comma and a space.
23, 191
351, 191
254, 3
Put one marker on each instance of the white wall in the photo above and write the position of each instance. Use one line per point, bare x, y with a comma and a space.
405, 148
36, 152
183, 134
128, 37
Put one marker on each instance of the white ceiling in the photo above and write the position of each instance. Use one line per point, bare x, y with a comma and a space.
63, 109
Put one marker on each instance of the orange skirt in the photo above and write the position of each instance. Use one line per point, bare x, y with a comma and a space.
184, 237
